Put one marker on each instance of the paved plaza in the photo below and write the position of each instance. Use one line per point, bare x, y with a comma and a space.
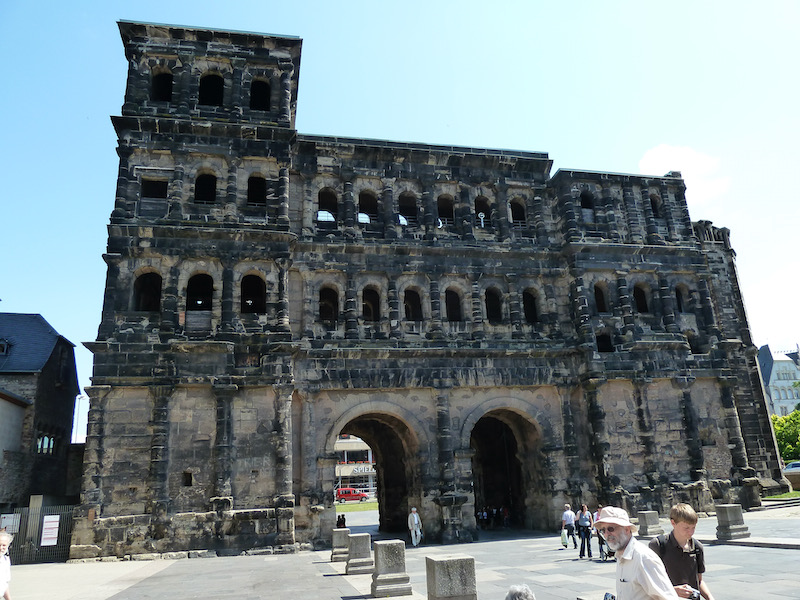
764, 566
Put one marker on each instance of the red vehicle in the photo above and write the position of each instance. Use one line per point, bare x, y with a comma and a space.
347, 493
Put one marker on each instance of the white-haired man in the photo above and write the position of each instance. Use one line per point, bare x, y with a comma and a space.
5, 565
640, 572
415, 526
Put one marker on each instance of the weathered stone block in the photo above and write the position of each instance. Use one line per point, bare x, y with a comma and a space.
451, 577
730, 522
390, 577
340, 545
649, 525
359, 556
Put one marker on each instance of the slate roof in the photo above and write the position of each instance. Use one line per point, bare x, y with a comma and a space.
31, 341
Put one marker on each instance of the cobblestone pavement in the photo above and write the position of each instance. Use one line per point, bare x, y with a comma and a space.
735, 571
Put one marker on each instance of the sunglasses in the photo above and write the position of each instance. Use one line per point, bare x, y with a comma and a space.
609, 529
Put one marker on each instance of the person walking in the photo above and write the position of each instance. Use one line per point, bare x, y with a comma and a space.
415, 527
682, 554
568, 523
640, 573
585, 524
600, 543
5, 565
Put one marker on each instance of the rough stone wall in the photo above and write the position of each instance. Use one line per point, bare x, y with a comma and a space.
499, 336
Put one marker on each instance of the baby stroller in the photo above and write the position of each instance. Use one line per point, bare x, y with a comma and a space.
605, 553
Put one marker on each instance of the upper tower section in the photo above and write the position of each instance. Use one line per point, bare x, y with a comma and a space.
210, 75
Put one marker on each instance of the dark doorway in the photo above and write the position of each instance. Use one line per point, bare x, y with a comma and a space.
497, 473
389, 439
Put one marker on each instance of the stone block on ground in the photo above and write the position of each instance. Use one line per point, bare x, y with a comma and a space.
390, 577
730, 522
451, 577
340, 541
649, 525
359, 555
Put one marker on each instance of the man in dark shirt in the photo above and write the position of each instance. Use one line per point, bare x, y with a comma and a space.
682, 555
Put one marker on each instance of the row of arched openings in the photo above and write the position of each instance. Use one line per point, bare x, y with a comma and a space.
199, 293
589, 203
211, 90
641, 298
259, 189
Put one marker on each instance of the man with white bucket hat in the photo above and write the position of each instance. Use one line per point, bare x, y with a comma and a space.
640, 572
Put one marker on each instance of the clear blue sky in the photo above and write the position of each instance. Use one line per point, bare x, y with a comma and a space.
706, 88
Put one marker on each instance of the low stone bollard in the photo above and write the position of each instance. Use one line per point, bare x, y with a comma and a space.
339, 551
649, 525
359, 557
451, 577
730, 522
390, 577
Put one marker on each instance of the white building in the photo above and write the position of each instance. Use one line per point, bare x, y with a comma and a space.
355, 465
780, 372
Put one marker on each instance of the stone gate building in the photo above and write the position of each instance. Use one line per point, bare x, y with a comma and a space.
498, 335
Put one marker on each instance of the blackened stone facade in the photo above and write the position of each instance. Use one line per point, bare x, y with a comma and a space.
500, 336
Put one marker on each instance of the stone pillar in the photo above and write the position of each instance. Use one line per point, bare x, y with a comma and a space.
169, 303
227, 297
501, 211
394, 309
283, 464
351, 310
730, 522
340, 544
612, 229
651, 228
236, 86
629, 323
464, 214
568, 198
230, 211
600, 442
478, 329
644, 428
691, 421
91, 488
451, 577
649, 525
669, 212
359, 557
283, 265
349, 205
435, 329
107, 321
285, 107
390, 577
741, 467
515, 310
431, 215
283, 199
390, 223
707, 307
667, 305
223, 446
685, 220
158, 478
583, 321
634, 223
538, 221
175, 191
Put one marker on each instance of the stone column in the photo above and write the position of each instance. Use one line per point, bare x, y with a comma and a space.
184, 83
651, 228
435, 330
669, 212
573, 461
667, 306
223, 446
283, 464
283, 199
464, 214
169, 303
644, 427
478, 329
394, 309
227, 297
283, 265
691, 422
431, 215
349, 206
236, 86
389, 212
634, 222
684, 219
175, 191
568, 198
583, 321
538, 221
91, 488
230, 210
158, 477
707, 307
515, 309
501, 211
741, 467
285, 107
612, 229
599, 434
107, 320
390, 577
629, 323
351, 310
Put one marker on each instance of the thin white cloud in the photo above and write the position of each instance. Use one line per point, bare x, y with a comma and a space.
701, 172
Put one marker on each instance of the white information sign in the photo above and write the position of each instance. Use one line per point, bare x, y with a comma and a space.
10, 522
50, 530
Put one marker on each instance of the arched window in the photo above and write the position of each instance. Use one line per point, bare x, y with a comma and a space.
161, 87
483, 212
452, 304
681, 298
494, 306
211, 90
530, 307
587, 206
517, 213
640, 298
371, 304
147, 293
199, 292
256, 191
259, 95
601, 298
407, 206
412, 305
604, 343
254, 295
367, 207
444, 205
328, 306
205, 189
328, 212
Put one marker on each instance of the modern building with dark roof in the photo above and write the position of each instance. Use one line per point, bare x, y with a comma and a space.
498, 335
38, 387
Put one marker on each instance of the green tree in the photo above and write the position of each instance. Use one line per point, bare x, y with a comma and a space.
787, 434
